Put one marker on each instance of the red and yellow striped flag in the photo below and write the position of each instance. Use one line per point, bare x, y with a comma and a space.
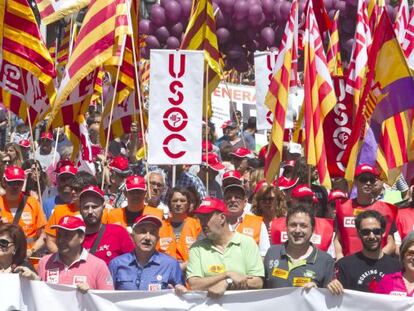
51, 11
201, 35
334, 55
278, 93
26, 68
102, 33
319, 98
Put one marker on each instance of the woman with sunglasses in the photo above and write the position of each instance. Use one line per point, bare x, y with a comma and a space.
401, 283
13, 247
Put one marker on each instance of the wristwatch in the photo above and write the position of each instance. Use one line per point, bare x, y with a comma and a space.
229, 282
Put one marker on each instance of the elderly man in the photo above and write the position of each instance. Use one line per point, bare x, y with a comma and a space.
242, 221
347, 241
156, 181
105, 241
145, 268
298, 262
72, 264
223, 259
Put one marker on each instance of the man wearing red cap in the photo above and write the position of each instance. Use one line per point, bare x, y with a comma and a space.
136, 189
145, 268
347, 241
46, 153
105, 241
118, 172
224, 259
72, 264
322, 235
239, 158
22, 210
231, 177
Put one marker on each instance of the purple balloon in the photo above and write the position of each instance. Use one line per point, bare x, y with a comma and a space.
152, 42
185, 9
162, 34
157, 14
173, 11
267, 6
173, 43
164, 2
145, 52
276, 11
221, 21
328, 4
227, 6
268, 36
285, 10
340, 5
240, 10
255, 10
145, 27
240, 25
223, 35
235, 52
177, 29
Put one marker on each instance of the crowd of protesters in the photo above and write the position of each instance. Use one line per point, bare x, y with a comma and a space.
218, 226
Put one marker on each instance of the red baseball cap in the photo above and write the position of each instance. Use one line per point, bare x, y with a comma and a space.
62, 163
303, 191
232, 175
206, 146
93, 189
284, 183
212, 161
366, 169
68, 169
210, 205
47, 135
70, 223
25, 143
135, 182
119, 164
14, 173
229, 123
261, 184
337, 195
147, 218
242, 153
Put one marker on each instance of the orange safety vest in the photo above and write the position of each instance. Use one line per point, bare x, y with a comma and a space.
251, 226
179, 249
117, 216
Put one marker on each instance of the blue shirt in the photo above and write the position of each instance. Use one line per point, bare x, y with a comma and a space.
49, 205
159, 271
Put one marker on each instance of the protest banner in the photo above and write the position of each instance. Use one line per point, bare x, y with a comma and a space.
175, 107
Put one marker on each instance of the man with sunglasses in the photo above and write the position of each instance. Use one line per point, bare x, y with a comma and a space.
347, 241
21, 210
363, 270
118, 172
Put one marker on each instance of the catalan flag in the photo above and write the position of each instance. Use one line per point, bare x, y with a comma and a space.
102, 32
334, 55
401, 20
359, 56
388, 92
277, 96
26, 68
201, 35
319, 98
51, 11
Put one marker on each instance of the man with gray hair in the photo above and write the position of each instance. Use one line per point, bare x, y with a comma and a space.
156, 181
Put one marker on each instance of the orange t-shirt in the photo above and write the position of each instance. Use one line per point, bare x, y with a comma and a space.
63, 210
117, 216
31, 221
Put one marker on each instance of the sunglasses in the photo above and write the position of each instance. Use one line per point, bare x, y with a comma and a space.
5, 243
367, 232
365, 179
267, 200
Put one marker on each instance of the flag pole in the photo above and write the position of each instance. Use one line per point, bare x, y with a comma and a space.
174, 175
112, 110
206, 94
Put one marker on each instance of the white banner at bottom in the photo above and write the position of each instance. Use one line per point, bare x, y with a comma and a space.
16, 294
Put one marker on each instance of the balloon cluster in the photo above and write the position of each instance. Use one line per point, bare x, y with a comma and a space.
242, 26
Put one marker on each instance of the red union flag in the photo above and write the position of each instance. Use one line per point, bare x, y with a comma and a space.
176, 98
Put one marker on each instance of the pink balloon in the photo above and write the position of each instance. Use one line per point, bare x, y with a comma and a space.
162, 34
145, 27
152, 42
177, 29
173, 43
173, 11
268, 36
157, 14
223, 35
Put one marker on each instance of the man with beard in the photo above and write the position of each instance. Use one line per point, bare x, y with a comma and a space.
224, 259
145, 268
362, 271
72, 264
104, 241
298, 262
243, 222
346, 240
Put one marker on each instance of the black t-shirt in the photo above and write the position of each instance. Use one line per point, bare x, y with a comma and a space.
131, 216
360, 273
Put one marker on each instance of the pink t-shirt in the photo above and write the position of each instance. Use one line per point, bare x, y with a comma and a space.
115, 241
87, 269
393, 284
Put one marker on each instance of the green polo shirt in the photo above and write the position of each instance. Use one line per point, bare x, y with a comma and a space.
240, 255
281, 271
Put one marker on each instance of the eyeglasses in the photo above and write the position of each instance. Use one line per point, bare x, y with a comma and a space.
267, 200
365, 179
367, 232
5, 243
159, 185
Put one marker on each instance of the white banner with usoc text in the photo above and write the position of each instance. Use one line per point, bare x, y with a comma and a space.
175, 107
